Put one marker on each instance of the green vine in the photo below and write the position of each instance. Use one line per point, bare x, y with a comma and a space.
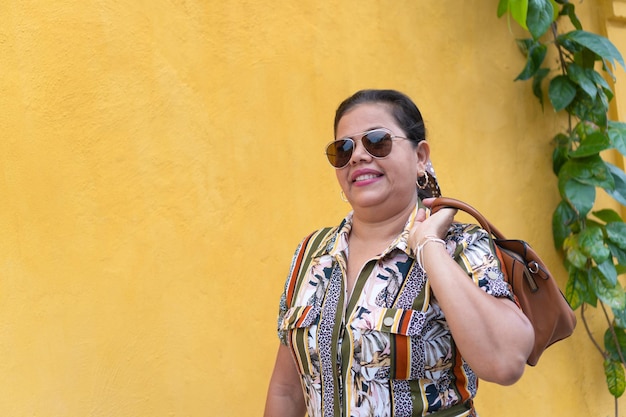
592, 242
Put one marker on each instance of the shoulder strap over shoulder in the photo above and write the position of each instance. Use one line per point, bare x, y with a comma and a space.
443, 202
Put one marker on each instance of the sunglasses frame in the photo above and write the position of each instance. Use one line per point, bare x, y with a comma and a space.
361, 136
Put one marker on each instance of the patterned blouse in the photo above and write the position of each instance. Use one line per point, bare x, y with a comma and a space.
387, 350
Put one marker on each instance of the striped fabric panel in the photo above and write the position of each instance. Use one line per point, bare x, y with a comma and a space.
303, 259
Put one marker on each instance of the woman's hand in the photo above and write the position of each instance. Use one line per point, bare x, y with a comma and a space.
436, 225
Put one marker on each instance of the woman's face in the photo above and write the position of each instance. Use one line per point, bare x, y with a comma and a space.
370, 182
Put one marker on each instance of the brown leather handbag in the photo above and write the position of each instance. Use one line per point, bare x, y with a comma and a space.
534, 287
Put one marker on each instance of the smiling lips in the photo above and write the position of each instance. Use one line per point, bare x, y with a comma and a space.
361, 176
365, 177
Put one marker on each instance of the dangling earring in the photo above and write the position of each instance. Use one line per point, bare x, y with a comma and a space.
422, 182
342, 195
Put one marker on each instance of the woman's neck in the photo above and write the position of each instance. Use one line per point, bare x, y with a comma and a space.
368, 225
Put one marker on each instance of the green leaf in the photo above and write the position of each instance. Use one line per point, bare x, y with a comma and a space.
574, 293
518, 10
578, 289
606, 67
597, 78
503, 7
562, 218
617, 134
620, 317
568, 9
608, 93
561, 92
537, 81
619, 255
540, 16
608, 215
582, 129
596, 43
608, 271
583, 57
573, 254
593, 144
615, 350
560, 155
591, 170
591, 110
524, 45
579, 76
616, 233
555, 8
535, 56
580, 195
615, 380
611, 294
601, 107
591, 243
619, 179
589, 222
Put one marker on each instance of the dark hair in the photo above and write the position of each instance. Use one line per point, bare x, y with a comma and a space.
402, 108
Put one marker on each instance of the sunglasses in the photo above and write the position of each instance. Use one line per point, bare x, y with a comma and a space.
376, 142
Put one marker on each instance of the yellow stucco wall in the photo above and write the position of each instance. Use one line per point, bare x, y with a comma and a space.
160, 160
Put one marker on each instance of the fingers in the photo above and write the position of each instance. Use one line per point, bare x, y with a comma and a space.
421, 215
436, 224
449, 211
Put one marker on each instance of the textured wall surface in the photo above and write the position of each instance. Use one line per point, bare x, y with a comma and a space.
160, 160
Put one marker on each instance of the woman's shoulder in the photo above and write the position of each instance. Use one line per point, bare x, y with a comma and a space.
316, 242
468, 237
320, 238
459, 231
320, 233
325, 236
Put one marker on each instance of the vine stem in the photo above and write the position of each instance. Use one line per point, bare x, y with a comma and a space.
555, 35
613, 334
602, 352
593, 340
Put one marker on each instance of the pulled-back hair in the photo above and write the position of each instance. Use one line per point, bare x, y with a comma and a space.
402, 108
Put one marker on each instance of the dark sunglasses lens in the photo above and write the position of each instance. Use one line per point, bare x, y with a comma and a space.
339, 152
377, 143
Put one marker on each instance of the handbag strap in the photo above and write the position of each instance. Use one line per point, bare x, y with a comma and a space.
446, 202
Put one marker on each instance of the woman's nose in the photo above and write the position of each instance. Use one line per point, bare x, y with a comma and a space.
359, 153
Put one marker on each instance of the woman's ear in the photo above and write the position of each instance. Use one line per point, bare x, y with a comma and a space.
423, 155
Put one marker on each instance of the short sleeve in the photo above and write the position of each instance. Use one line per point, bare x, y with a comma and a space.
474, 251
282, 310
282, 305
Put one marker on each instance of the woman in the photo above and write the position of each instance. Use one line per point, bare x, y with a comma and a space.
393, 312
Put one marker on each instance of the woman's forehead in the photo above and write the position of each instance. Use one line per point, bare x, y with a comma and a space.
364, 117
